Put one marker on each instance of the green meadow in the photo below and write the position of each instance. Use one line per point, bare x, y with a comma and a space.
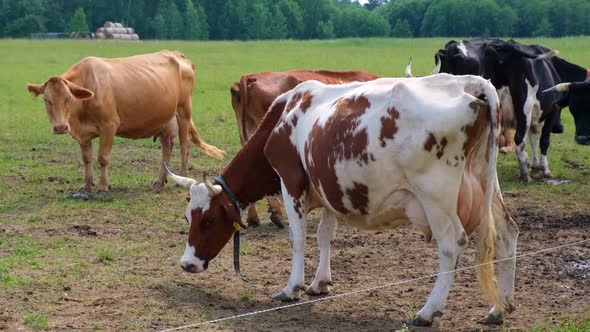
55, 249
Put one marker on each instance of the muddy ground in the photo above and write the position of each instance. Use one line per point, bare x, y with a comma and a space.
145, 289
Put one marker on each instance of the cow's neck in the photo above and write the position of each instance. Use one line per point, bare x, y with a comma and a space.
249, 175
75, 121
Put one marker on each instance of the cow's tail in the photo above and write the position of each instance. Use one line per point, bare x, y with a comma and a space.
198, 141
487, 230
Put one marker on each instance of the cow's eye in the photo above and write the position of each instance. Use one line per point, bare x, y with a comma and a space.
47, 102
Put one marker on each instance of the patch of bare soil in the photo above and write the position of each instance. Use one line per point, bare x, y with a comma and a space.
147, 290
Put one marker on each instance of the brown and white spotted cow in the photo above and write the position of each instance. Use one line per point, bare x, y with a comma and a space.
254, 93
142, 96
374, 155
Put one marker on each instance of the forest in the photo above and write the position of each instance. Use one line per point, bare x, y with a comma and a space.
299, 19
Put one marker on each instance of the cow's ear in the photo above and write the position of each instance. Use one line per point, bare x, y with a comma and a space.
235, 91
78, 91
36, 89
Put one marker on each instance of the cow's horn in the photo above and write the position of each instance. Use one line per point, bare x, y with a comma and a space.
436, 69
185, 182
409, 68
214, 189
563, 87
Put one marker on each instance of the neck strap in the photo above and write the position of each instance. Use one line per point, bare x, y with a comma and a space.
230, 194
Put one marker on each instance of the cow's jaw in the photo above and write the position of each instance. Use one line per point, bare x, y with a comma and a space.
190, 263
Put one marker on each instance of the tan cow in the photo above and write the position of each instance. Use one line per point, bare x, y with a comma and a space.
252, 96
141, 96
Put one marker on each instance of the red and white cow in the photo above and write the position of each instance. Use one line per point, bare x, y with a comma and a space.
374, 155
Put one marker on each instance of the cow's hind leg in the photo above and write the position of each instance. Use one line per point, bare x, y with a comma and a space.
506, 238
451, 239
274, 207
167, 141
323, 276
252, 218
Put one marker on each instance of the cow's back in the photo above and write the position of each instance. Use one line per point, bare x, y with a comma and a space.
364, 145
253, 94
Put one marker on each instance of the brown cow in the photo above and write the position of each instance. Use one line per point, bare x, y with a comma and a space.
252, 96
141, 96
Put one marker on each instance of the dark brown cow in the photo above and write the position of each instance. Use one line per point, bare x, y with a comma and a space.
141, 96
252, 96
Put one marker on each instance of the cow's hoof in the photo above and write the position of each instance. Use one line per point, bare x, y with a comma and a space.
157, 186
526, 178
284, 297
419, 321
277, 220
321, 288
493, 320
510, 308
253, 222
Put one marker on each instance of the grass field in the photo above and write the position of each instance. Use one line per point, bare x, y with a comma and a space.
63, 259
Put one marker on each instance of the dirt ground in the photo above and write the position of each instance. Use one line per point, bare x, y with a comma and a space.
150, 292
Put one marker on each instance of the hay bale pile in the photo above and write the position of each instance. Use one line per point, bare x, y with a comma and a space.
112, 30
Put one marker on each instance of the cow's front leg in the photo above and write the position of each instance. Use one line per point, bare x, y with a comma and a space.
86, 151
323, 276
107, 137
545, 142
295, 207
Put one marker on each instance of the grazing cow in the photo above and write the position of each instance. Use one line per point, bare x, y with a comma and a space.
136, 97
374, 155
252, 96
579, 104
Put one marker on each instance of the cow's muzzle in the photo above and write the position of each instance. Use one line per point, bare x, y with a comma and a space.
583, 140
61, 129
194, 268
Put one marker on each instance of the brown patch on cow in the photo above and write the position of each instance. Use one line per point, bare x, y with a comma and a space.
441, 147
334, 142
359, 197
389, 125
476, 129
305, 102
283, 157
294, 120
430, 142
293, 102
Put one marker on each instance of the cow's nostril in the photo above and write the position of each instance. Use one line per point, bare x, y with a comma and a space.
189, 268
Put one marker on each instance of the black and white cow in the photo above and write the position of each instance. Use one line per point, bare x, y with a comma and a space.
579, 103
509, 65
526, 74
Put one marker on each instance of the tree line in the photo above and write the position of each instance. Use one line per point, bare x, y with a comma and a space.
300, 19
